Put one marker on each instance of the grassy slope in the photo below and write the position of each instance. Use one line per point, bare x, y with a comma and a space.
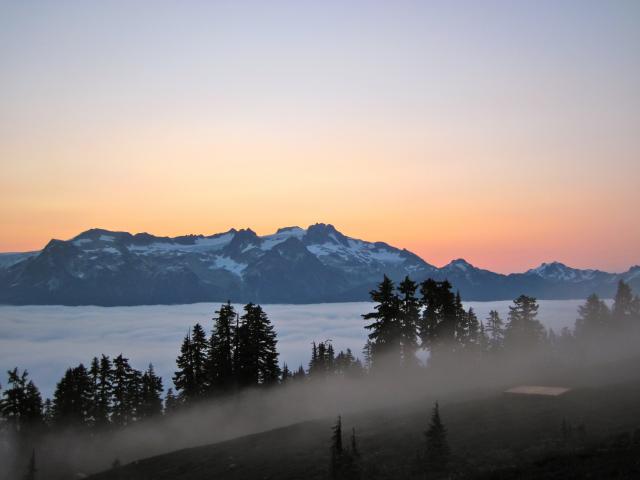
494, 437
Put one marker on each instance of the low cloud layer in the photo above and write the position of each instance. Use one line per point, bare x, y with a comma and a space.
48, 339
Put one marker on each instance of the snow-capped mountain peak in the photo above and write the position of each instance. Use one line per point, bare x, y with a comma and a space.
294, 264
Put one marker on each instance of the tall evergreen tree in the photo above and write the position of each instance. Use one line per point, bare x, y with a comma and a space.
126, 392
594, 317
21, 404
336, 449
495, 331
299, 375
313, 363
409, 315
221, 351
437, 448
72, 399
47, 412
385, 328
171, 402
199, 356
193, 365
523, 328
257, 353
626, 306
440, 318
151, 404
286, 374
103, 393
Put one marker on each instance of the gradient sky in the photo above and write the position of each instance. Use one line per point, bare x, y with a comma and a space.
507, 133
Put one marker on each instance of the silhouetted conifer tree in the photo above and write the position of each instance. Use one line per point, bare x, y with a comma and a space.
336, 449
126, 392
409, 313
171, 402
385, 328
347, 365
286, 374
313, 363
21, 403
103, 393
72, 399
495, 331
224, 339
626, 306
299, 375
593, 318
190, 379
151, 404
523, 328
47, 412
483, 339
437, 448
440, 317
258, 356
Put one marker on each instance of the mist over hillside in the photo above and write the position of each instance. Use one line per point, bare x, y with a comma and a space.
293, 265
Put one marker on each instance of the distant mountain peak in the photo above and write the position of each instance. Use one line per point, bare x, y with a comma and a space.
460, 264
293, 228
317, 264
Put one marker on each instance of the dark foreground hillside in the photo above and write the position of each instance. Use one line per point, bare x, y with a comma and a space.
498, 436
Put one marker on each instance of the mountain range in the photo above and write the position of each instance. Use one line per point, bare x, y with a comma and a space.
293, 265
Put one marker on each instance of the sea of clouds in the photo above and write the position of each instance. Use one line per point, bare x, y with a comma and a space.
48, 339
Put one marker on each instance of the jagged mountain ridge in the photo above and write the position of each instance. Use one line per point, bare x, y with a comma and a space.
293, 265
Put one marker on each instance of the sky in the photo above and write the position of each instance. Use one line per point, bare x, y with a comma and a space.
506, 133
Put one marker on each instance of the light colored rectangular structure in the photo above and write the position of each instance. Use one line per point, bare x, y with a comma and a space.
538, 390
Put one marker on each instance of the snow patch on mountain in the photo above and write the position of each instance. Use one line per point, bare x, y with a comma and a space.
557, 271
229, 264
283, 234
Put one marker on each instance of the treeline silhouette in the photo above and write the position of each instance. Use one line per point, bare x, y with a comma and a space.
241, 352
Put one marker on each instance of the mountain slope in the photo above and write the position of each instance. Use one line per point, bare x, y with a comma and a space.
293, 265
510, 438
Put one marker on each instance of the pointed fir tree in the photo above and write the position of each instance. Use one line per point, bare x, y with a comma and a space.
171, 402
286, 374
523, 329
193, 365
626, 307
151, 404
184, 378
47, 412
21, 403
300, 374
593, 318
385, 327
409, 313
126, 395
104, 391
440, 319
483, 340
495, 331
72, 399
437, 448
336, 449
199, 353
313, 363
220, 359
258, 355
